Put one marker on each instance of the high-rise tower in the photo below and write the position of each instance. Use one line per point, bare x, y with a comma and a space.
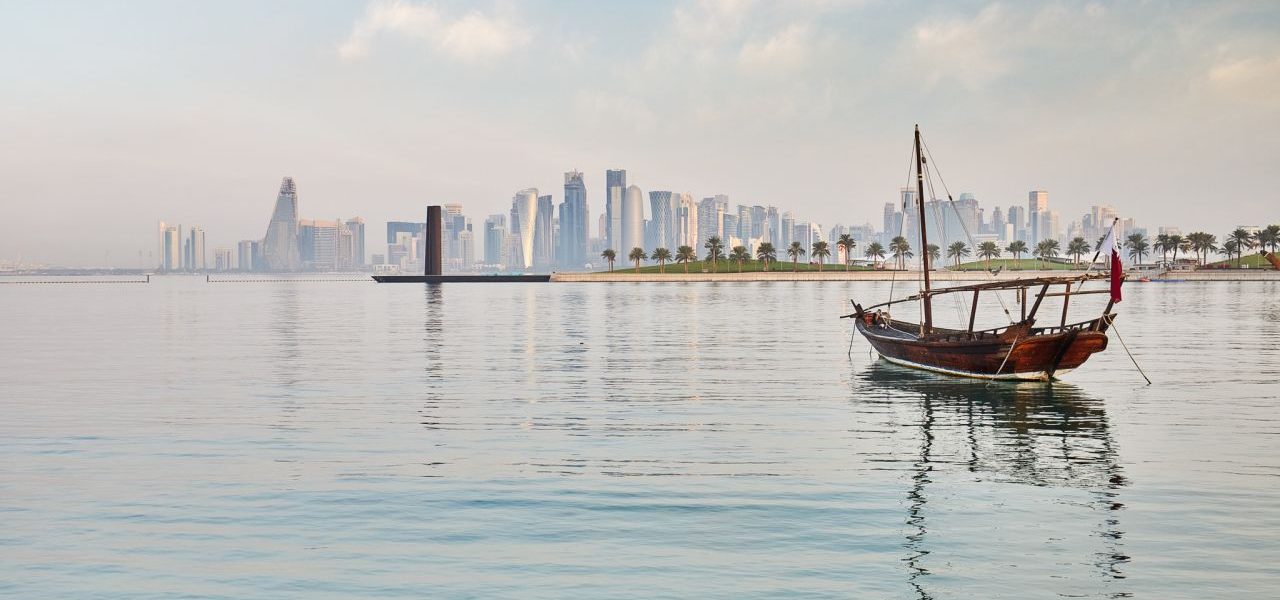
280, 248
574, 222
524, 209
632, 220
615, 188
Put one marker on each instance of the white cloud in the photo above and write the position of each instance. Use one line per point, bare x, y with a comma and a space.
961, 49
473, 38
788, 50
1251, 79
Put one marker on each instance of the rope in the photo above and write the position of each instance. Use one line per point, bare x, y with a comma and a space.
1004, 306
1112, 322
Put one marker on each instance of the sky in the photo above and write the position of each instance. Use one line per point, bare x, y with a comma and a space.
116, 115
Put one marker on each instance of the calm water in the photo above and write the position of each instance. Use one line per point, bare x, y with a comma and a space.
617, 441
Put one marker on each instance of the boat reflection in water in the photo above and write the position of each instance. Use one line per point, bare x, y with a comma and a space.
1003, 481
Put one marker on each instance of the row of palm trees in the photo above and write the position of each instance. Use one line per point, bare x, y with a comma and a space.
765, 252
1137, 245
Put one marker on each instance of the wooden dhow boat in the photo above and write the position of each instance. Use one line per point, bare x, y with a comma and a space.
1021, 350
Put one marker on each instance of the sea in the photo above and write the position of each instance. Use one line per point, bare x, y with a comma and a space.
339, 438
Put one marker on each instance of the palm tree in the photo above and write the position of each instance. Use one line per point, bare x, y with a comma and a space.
847, 243
1203, 243
662, 255
1137, 245
610, 256
1161, 245
1177, 242
739, 254
820, 252
715, 250
1047, 249
874, 251
795, 251
935, 253
901, 250
1229, 248
637, 255
1076, 247
987, 251
686, 254
957, 250
1243, 240
1017, 248
1269, 237
766, 253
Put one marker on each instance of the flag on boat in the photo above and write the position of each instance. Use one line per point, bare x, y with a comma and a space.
1108, 251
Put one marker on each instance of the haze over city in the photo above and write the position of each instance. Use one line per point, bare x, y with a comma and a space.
121, 115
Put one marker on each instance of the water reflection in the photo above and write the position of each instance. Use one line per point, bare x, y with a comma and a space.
1044, 435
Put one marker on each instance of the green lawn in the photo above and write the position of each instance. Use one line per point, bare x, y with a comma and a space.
699, 266
1252, 261
1009, 264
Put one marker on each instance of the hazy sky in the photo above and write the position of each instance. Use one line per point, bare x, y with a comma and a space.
114, 115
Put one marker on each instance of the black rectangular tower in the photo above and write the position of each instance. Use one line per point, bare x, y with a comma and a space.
434, 237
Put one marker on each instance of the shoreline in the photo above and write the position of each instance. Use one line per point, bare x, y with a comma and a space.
957, 276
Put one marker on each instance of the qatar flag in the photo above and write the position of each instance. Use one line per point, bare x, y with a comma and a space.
1110, 253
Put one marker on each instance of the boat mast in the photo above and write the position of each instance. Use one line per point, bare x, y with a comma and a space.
924, 237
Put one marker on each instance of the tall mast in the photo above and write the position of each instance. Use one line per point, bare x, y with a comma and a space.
924, 237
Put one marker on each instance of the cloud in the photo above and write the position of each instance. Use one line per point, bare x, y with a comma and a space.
472, 38
788, 50
962, 49
1251, 79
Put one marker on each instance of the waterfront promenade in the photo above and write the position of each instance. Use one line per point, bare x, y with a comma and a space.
675, 276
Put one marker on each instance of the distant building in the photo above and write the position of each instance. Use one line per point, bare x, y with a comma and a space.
222, 259
172, 248
632, 220
280, 248
244, 254
575, 223
495, 232
356, 226
711, 213
544, 246
524, 208
615, 189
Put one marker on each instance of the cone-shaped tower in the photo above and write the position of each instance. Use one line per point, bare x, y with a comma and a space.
280, 248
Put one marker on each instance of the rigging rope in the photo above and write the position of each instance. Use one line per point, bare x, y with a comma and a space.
965, 228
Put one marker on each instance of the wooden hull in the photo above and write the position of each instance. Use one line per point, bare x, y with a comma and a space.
1018, 353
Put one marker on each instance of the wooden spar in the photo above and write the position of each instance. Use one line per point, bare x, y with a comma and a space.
1066, 298
1039, 298
973, 311
927, 326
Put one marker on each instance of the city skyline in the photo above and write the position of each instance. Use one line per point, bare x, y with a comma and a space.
119, 115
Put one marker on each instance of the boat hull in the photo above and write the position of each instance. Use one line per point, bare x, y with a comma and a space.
1017, 355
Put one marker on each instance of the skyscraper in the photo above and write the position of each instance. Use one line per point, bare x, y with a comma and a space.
615, 188
543, 236
172, 249
632, 224
745, 227
788, 234
495, 232
774, 230
245, 252
1037, 219
356, 226
280, 246
574, 222
663, 209
687, 223
524, 208
196, 260
711, 213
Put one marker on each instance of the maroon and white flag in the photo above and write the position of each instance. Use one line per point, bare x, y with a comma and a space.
1108, 251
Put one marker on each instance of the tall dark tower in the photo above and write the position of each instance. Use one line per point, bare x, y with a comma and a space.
434, 237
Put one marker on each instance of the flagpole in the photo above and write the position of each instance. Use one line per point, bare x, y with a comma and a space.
1098, 251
